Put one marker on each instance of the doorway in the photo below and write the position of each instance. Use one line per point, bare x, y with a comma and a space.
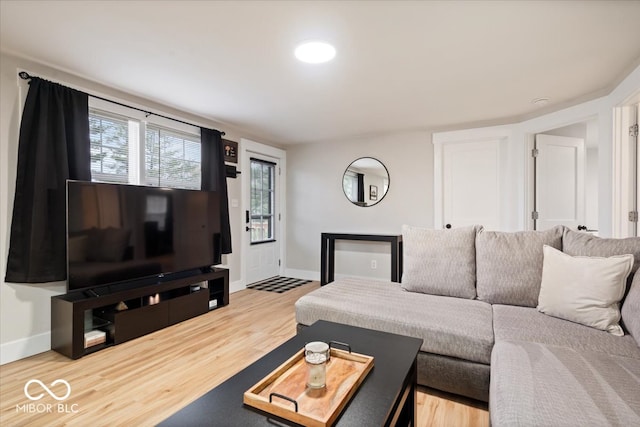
263, 188
565, 178
634, 132
626, 158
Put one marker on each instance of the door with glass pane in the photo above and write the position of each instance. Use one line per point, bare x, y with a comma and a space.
262, 220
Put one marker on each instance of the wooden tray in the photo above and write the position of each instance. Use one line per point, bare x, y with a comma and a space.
310, 407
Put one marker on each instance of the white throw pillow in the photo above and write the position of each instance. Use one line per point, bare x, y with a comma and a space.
585, 290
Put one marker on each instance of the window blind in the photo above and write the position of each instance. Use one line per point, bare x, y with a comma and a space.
172, 159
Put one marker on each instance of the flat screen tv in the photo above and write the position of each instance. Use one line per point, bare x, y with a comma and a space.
127, 234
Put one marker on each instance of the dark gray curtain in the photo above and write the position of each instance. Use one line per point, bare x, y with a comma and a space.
53, 147
214, 178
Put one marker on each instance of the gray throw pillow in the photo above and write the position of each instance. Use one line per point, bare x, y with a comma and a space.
584, 244
440, 262
510, 265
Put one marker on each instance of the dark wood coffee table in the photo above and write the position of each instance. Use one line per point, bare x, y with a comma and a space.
387, 397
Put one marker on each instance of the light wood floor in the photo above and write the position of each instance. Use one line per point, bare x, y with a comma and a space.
144, 381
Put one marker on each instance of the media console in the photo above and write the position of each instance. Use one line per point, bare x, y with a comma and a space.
83, 322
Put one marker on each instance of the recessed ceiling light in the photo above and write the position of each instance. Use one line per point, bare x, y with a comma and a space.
315, 52
540, 101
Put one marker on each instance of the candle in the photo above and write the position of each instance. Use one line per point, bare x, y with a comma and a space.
317, 374
316, 358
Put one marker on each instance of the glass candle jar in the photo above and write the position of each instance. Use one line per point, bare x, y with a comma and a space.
316, 355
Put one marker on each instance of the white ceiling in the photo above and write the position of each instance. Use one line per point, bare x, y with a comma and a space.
400, 65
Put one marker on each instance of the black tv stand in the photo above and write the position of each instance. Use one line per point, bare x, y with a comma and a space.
120, 313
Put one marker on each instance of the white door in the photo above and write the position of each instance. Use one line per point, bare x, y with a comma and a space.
471, 184
634, 131
559, 182
262, 218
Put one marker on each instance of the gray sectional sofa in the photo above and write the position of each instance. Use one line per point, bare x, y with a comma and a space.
497, 325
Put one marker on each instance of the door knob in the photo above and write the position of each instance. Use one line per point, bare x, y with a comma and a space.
447, 226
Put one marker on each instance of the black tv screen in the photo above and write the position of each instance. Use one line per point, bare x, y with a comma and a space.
120, 233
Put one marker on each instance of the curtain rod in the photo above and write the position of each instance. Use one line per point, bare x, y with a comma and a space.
26, 76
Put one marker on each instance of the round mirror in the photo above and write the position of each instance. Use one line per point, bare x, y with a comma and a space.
365, 182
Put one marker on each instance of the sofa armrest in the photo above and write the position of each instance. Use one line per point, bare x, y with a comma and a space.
631, 309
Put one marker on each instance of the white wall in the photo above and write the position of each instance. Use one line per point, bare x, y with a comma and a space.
316, 201
25, 308
591, 189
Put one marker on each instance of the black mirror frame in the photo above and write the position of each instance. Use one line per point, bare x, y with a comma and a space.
383, 195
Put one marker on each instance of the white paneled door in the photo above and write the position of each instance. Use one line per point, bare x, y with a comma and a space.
471, 175
559, 182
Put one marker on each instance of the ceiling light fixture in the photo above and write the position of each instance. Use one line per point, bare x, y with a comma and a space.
315, 52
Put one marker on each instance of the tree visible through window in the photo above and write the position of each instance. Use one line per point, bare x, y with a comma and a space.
109, 148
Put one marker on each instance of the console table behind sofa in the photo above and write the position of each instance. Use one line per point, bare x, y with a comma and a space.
328, 255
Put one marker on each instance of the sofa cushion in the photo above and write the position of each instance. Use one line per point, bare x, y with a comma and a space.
511, 323
631, 309
440, 262
585, 244
454, 375
576, 243
586, 290
509, 265
534, 384
455, 327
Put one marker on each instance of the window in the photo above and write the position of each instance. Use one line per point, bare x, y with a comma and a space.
350, 185
172, 159
110, 141
262, 201
166, 157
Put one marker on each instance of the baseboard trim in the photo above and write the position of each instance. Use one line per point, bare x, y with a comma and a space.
24, 347
236, 286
